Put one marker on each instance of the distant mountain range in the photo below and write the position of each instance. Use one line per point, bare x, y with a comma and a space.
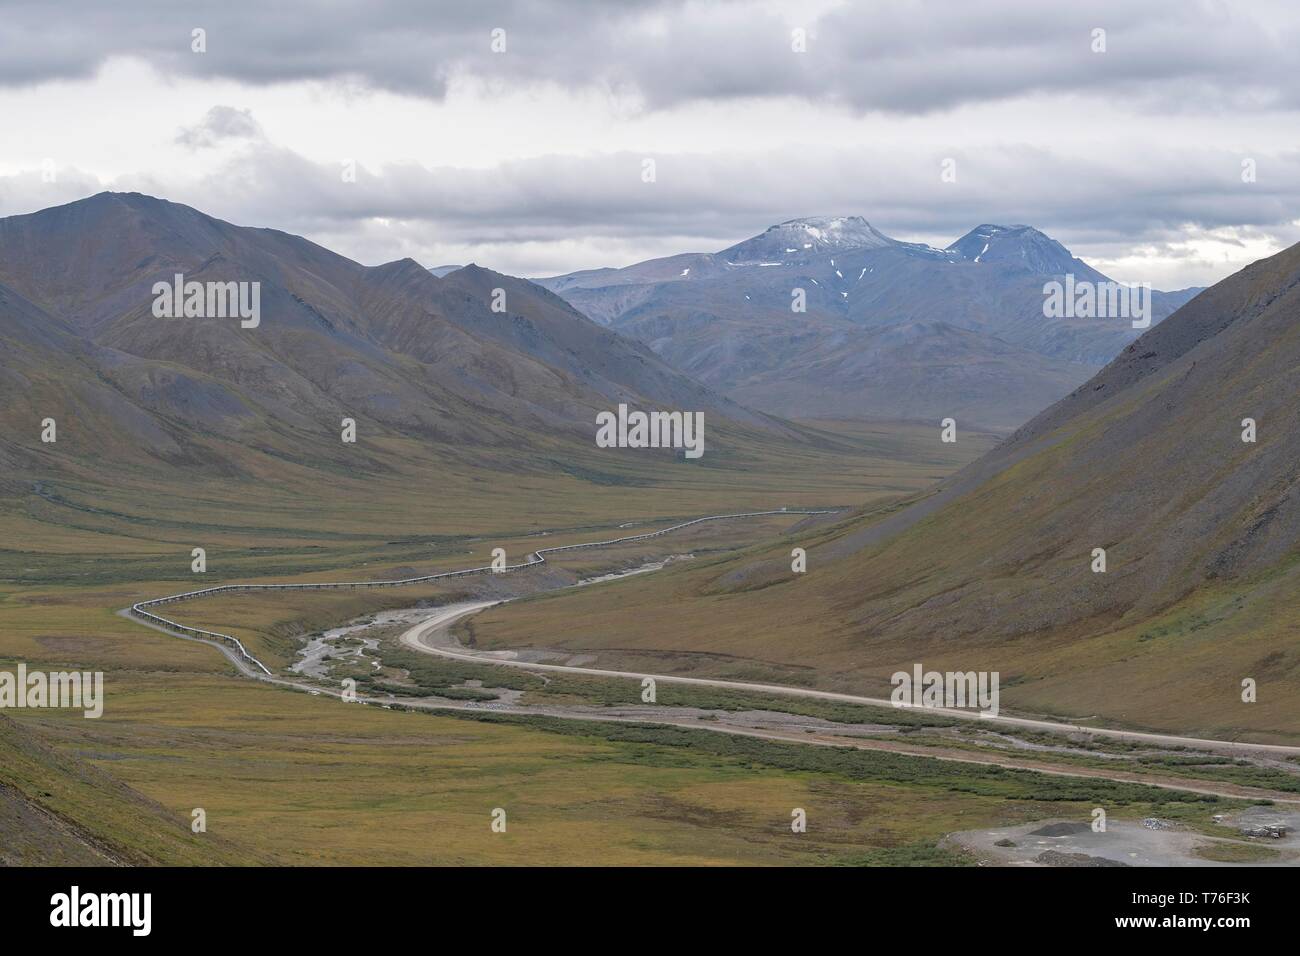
396, 348
891, 329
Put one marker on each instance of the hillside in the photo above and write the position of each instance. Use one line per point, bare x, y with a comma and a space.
58, 810
393, 346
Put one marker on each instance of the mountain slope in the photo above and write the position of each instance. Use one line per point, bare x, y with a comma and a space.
727, 319
541, 323
57, 810
903, 367
1147, 460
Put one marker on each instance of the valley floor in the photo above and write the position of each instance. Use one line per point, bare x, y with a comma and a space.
584, 772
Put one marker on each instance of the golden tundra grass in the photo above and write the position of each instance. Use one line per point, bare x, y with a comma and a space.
84, 528
288, 777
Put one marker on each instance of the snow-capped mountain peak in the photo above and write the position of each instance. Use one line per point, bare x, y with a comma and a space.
800, 238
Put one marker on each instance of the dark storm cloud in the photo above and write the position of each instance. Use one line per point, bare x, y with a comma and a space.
895, 56
411, 47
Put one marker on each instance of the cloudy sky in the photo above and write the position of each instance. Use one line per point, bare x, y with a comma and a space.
530, 159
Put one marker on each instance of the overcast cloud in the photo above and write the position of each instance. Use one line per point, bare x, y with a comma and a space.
530, 160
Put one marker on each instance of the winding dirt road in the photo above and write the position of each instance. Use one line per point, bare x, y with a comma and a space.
433, 636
